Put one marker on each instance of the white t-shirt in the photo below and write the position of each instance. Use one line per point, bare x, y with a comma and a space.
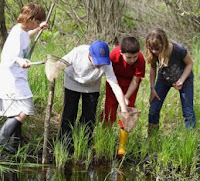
13, 78
81, 75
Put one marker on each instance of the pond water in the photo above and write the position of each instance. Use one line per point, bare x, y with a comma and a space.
73, 173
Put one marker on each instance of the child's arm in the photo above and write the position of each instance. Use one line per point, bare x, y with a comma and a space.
188, 68
43, 26
153, 94
119, 95
132, 87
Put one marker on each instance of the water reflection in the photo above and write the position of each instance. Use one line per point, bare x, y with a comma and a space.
9, 177
71, 173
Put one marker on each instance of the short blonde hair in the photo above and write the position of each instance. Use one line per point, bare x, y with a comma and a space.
154, 38
31, 12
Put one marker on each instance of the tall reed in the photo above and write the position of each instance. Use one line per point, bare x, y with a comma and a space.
105, 141
80, 136
61, 152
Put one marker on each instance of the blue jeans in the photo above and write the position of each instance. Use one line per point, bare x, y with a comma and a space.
186, 95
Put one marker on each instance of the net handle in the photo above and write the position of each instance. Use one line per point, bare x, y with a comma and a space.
49, 56
36, 63
40, 32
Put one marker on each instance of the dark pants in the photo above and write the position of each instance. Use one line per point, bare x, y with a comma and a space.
186, 96
69, 115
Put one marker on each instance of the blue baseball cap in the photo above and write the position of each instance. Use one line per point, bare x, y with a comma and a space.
100, 52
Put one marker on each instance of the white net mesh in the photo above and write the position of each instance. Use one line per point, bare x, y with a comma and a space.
54, 66
129, 119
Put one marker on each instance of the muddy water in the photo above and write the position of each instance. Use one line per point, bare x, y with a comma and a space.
74, 173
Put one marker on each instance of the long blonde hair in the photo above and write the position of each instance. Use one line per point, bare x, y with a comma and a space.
154, 38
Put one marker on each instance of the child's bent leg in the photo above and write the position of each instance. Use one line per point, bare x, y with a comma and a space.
123, 133
9, 127
69, 113
15, 139
111, 105
89, 106
155, 107
21, 117
186, 95
122, 143
10, 133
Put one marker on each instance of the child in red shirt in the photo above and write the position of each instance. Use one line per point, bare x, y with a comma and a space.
129, 67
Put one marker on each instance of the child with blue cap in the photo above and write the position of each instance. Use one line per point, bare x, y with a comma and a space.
87, 65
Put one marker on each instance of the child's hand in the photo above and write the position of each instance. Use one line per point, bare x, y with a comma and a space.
178, 85
153, 95
44, 25
24, 63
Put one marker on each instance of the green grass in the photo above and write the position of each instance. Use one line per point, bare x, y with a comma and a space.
80, 136
105, 141
5, 169
61, 153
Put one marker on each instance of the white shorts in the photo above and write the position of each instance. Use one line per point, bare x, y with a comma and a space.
10, 108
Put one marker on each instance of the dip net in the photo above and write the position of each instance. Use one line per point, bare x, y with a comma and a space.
129, 119
54, 66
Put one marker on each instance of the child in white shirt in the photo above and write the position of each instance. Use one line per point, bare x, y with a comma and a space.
15, 94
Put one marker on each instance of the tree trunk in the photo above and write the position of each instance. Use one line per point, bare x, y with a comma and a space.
3, 31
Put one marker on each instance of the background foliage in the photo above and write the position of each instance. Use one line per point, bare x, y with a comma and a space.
81, 21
